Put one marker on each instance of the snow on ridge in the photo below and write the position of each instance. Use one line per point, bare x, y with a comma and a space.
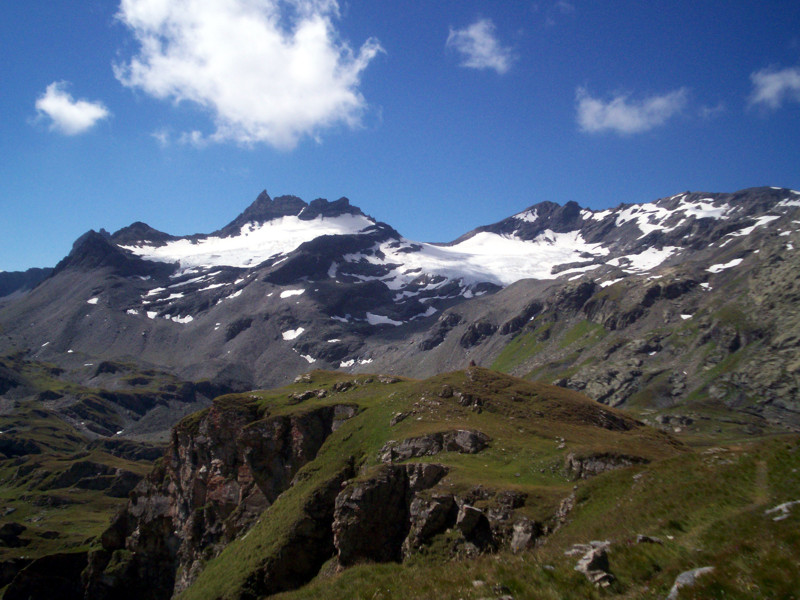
92, 300
484, 257
528, 216
254, 244
291, 334
373, 319
290, 293
728, 265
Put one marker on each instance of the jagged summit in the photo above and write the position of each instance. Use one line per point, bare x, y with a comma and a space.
265, 209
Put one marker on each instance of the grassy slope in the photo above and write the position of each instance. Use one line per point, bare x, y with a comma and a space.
78, 515
524, 420
707, 506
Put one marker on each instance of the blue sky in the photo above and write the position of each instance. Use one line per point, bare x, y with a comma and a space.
435, 116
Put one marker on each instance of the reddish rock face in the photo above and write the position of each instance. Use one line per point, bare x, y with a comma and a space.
220, 473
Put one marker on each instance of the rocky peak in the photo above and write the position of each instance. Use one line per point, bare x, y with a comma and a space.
94, 250
265, 209
139, 232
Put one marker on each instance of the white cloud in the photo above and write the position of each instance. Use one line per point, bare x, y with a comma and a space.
773, 87
269, 71
625, 116
479, 47
67, 115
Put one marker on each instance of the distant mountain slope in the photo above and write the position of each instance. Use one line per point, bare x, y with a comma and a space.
288, 286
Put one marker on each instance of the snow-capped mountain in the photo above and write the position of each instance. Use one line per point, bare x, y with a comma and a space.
289, 285
291, 241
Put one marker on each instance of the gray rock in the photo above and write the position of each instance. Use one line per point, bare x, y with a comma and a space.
687, 579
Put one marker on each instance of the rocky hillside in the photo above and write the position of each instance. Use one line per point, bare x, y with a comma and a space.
268, 487
470, 484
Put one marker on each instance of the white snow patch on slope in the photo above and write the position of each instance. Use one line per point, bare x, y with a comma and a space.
381, 320
151, 314
92, 300
184, 320
529, 216
347, 363
759, 222
486, 256
132, 311
290, 293
292, 333
721, 267
648, 217
644, 261
254, 244
309, 359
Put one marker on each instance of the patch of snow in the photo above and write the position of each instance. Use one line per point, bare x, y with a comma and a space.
595, 216
292, 333
579, 270
334, 340
685, 317
790, 246
705, 286
728, 265
528, 216
213, 286
253, 244
341, 319
70, 351
648, 217
788, 203
186, 319
308, 358
610, 282
45, 344
132, 311
290, 293
364, 361
484, 257
703, 209
759, 222
381, 320
430, 312
644, 261
156, 291
151, 314
785, 233
92, 300
175, 296
347, 363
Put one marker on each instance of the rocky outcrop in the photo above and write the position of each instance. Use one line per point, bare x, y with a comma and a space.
223, 468
464, 441
583, 467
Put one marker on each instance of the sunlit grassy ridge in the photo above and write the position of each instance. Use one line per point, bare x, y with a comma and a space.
532, 427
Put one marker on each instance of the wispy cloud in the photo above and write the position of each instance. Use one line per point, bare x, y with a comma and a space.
771, 87
67, 115
268, 71
623, 115
480, 48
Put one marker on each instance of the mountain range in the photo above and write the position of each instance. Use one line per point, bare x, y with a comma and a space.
288, 286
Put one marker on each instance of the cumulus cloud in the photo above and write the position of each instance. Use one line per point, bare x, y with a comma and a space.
771, 88
67, 115
480, 48
622, 115
268, 71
